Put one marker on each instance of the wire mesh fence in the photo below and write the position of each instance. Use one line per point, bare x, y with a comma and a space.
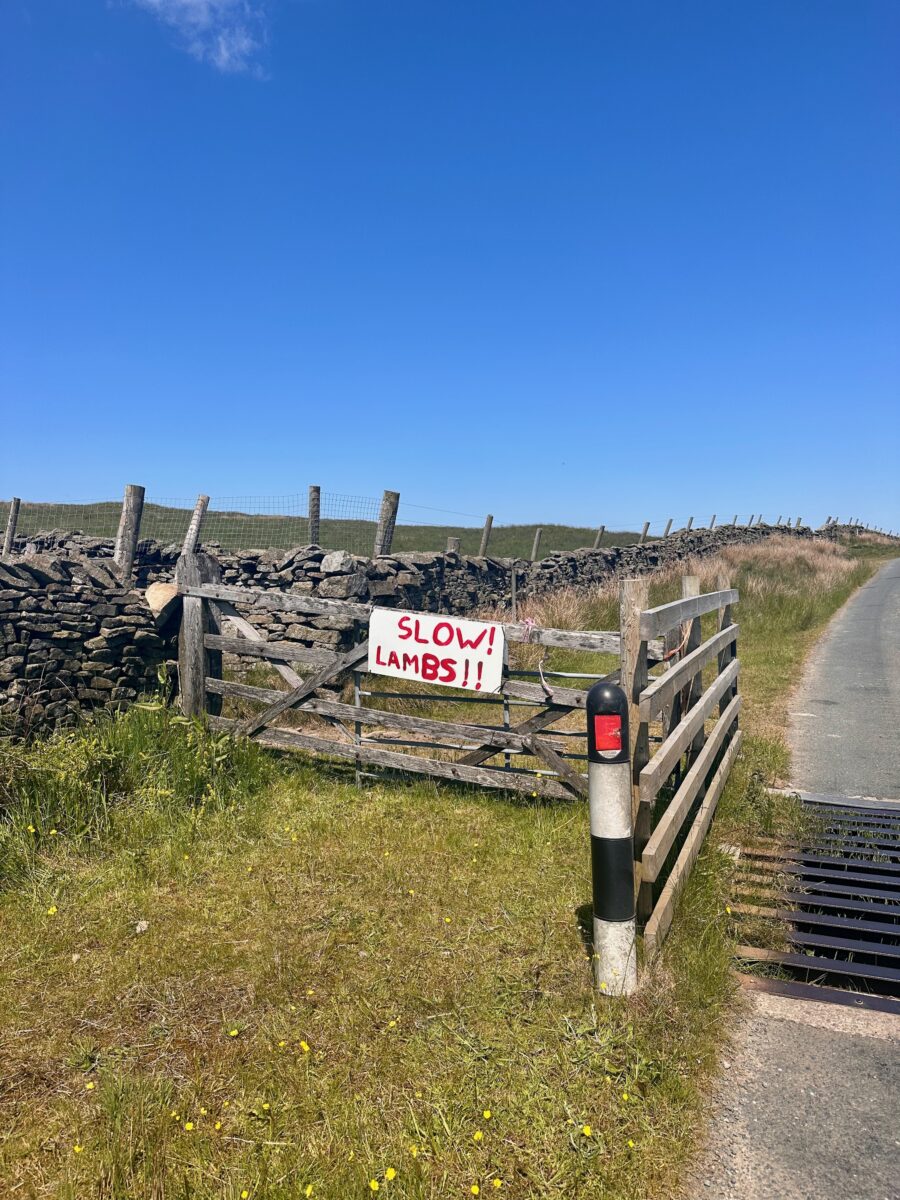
239, 523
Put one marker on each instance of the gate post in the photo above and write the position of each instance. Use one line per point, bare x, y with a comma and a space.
612, 841
195, 662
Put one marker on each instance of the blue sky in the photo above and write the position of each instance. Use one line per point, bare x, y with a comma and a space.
574, 261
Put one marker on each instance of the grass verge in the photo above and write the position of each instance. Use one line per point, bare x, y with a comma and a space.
229, 975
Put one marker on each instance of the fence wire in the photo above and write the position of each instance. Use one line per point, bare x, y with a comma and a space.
240, 523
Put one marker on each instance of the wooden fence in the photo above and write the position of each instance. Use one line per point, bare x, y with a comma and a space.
337, 711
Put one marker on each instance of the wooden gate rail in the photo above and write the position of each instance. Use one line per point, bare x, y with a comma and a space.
556, 772
677, 787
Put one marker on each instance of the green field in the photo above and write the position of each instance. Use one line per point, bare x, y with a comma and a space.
245, 531
229, 974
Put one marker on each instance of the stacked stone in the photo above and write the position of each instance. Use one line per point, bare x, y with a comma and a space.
72, 638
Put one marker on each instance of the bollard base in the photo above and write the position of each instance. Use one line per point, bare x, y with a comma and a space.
615, 957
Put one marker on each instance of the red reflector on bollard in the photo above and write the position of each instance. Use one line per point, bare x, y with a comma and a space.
608, 733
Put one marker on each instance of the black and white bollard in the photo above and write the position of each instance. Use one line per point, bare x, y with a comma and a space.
612, 841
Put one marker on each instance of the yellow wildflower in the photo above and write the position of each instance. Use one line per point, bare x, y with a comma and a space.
390, 1173
189, 1125
447, 920
53, 832
728, 909
52, 910
202, 1112
266, 1106
373, 1185
89, 1087
245, 1195
282, 1044
78, 1149
586, 1130
624, 1095
304, 1046
232, 1033
487, 1114
477, 1135
414, 1151
474, 1189
630, 1144
308, 1190
497, 1183
218, 1125
31, 829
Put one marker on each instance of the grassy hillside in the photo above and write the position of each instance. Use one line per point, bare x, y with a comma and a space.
243, 531
226, 974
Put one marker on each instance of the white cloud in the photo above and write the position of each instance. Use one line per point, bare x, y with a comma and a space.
228, 34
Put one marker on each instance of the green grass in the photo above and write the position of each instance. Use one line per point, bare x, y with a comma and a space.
345, 981
243, 531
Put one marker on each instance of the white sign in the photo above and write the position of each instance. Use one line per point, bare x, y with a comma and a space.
436, 649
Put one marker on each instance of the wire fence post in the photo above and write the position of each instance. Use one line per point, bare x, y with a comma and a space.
797, 524
12, 521
667, 529
536, 544
612, 841
712, 521
192, 537
687, 527
644, 532
778, 522
387, 519
598, 535
313, 509
734, 522
485, 535
129, 529
513, 590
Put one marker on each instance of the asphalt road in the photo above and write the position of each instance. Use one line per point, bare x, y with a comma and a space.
808, 1107
809, 1104
845, 718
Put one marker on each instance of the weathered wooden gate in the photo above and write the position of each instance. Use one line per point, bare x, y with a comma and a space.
336, 711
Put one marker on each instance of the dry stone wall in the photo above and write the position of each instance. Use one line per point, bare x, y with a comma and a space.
73, 637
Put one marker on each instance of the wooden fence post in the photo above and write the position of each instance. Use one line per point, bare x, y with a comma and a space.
387, 519
485, 535
633, 600
778, 522
687, 527
195, 662
129, 529
11, 522
644, 532
690, 586
599, 534
712, 521
734, 522
536, 544
192, 537
453, 545
667, 528
729, 653
312, 514
797, 525
513, 591
750, 522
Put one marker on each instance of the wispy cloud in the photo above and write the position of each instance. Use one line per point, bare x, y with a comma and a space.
228, 34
